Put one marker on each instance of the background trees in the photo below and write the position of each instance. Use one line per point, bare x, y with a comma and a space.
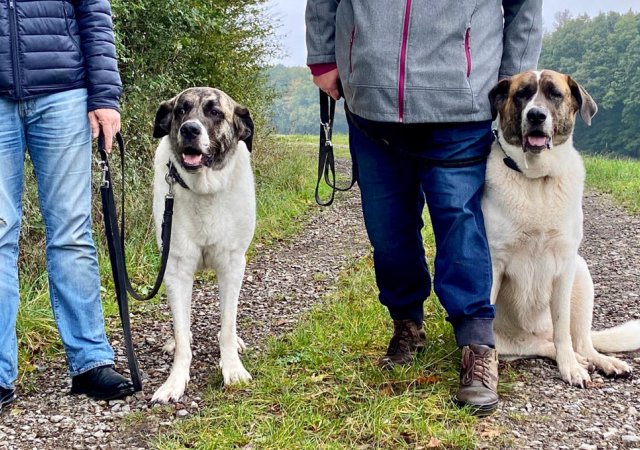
167, 46
603, 54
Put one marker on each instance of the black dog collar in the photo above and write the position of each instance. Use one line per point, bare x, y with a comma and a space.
507, 160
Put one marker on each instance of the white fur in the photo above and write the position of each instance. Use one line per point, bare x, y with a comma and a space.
542, 288
213, 224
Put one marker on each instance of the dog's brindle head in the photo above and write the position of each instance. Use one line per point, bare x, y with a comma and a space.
538, 109
204, 126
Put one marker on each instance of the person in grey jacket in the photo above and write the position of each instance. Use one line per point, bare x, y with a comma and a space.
59, 85
416, 76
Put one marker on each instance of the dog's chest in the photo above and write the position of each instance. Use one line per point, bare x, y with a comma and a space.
538, 219
222, 223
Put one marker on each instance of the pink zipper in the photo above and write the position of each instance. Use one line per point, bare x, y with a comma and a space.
467, 50
403, 61
353, 36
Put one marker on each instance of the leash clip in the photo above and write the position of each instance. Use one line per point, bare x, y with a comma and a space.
104, 168
327, 130
170, 180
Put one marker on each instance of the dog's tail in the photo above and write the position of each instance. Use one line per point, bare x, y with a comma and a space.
623, 338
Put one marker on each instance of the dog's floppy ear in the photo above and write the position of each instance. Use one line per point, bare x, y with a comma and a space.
162, 125
243, 124
587, 106
498, 95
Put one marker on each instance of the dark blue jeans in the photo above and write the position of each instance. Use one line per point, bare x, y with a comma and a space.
399, 169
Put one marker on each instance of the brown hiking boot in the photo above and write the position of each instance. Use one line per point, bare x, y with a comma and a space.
407, 340
478, 380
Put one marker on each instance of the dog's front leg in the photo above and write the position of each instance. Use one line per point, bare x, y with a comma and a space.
570, 370
179, 285
230, 271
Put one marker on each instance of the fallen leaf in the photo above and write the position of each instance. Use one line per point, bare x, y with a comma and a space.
434, 442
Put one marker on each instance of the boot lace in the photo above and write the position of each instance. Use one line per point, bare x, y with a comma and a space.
476, 367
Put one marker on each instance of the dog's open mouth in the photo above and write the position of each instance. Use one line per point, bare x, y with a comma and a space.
192, 158
535, 142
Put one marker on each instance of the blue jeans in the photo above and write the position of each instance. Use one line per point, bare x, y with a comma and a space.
55, 130
398, 169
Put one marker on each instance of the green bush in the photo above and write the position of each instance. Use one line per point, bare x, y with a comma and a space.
165, 47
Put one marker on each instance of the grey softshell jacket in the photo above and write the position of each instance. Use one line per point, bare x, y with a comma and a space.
423, 61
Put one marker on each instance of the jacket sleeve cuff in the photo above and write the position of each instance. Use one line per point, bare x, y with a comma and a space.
102, 103
321, 69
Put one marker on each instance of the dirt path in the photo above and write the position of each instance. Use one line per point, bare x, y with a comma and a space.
281, 283
542, 412
539, 411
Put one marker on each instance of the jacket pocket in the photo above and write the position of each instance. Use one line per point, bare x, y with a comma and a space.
353, 37
67, 23
467, 50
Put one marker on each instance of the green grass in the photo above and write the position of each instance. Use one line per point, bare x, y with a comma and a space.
285, 177
618, 177
320, 386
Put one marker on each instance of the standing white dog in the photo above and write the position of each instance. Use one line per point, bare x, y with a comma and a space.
206, 136
532, 205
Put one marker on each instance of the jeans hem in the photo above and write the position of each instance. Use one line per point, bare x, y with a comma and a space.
91, 366
7, 386
474, 331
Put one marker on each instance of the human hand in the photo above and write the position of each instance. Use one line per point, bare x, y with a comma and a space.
107, 120
328, 82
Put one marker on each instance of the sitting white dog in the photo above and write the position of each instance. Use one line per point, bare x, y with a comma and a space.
532, 206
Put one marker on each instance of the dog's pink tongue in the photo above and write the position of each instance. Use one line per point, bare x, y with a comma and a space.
192, 160
537, 141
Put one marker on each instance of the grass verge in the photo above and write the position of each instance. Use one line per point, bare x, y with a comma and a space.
618, 177
320, 386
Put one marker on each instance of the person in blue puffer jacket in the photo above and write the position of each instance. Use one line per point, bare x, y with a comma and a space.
59, 87
416, 77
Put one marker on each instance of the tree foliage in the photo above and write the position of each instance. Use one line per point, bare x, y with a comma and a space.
166, 46
603, 54
296, 107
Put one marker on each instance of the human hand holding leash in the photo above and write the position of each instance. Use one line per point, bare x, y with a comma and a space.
105, 120
328, 82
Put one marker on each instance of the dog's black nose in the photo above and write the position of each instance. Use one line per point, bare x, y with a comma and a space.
536, 116
190, 130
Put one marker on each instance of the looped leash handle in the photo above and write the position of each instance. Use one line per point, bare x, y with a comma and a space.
326, 157
116, 258
115, 237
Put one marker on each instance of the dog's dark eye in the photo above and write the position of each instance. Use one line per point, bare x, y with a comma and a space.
523, 93
216, 112
179, 111
555, 93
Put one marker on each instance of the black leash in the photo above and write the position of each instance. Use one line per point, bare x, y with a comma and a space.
115, 244
326, 158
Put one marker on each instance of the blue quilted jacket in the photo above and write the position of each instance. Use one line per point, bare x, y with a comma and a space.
49, 46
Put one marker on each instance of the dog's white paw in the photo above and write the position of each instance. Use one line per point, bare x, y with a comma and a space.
171, 390
574, 374
234, 372
610, 366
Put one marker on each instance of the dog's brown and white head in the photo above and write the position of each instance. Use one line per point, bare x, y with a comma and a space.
204, 126
537, 109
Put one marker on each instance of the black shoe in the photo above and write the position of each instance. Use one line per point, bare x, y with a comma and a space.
6, 396
408, 339
101, 383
